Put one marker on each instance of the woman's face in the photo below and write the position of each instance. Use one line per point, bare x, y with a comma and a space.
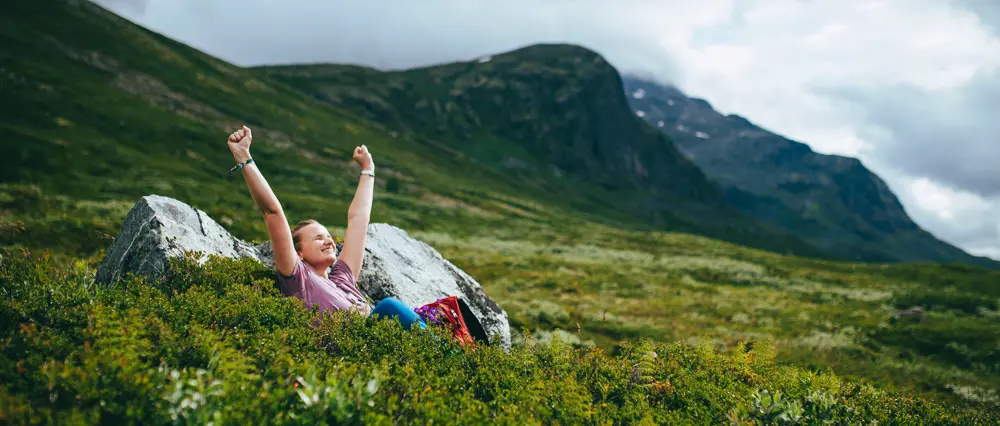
316, 246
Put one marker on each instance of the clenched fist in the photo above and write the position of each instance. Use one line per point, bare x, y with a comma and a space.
364, 158
239, 141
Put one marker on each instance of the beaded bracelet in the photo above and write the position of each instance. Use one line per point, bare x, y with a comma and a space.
239, 166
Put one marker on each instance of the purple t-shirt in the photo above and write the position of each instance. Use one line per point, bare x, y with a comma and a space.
332, 293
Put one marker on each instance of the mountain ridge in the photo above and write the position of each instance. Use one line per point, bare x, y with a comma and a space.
547, 106
833, 201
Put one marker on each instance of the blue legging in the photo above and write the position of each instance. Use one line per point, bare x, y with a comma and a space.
392, 307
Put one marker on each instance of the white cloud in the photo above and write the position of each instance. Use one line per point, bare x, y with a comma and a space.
785, 49
946, 203
973, 222
824, 72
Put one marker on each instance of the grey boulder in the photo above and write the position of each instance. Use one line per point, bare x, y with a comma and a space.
399, 266
160, 228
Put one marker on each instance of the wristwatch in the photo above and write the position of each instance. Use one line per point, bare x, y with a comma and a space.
369, 172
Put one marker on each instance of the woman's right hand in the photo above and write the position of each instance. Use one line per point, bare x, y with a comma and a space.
239, 144
364, 158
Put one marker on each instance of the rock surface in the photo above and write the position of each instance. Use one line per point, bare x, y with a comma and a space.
159, 228
914, 313
410, 270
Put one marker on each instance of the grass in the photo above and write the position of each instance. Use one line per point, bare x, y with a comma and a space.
98, 113
602, 286
615, 286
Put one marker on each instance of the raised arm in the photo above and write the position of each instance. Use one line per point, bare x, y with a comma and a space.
266, 202
359, 214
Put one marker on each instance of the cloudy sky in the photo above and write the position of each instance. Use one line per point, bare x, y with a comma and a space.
907, 86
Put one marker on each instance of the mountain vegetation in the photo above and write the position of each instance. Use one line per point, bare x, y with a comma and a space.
637, 290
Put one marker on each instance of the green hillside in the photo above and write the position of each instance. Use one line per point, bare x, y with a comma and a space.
97, 112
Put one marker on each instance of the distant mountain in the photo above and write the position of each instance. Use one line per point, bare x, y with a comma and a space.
553, 115
831, 201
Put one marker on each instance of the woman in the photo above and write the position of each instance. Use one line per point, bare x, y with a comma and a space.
304, 255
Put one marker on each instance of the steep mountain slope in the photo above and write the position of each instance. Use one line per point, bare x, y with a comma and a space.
833, 202
97, 112
553, 115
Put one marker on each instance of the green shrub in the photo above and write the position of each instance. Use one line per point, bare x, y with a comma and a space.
219, 344
966, 342
946, 299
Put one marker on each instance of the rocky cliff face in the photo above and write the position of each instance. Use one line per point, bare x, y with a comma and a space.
832, 201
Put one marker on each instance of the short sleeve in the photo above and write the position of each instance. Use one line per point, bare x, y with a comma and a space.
292, 285
342, 273
343, 277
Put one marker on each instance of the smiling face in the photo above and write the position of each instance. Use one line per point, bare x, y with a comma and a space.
315, 245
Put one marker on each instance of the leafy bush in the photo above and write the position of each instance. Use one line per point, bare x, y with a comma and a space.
219, 344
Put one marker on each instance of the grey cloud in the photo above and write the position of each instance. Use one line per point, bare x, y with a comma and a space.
980, 238
952, 138
975, 229
391, 34
975, 234
987, 10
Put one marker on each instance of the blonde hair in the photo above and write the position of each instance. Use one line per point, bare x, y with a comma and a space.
296, 241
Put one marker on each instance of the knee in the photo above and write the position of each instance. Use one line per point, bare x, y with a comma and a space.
392, 300
389, 306
392, 307
391, 303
